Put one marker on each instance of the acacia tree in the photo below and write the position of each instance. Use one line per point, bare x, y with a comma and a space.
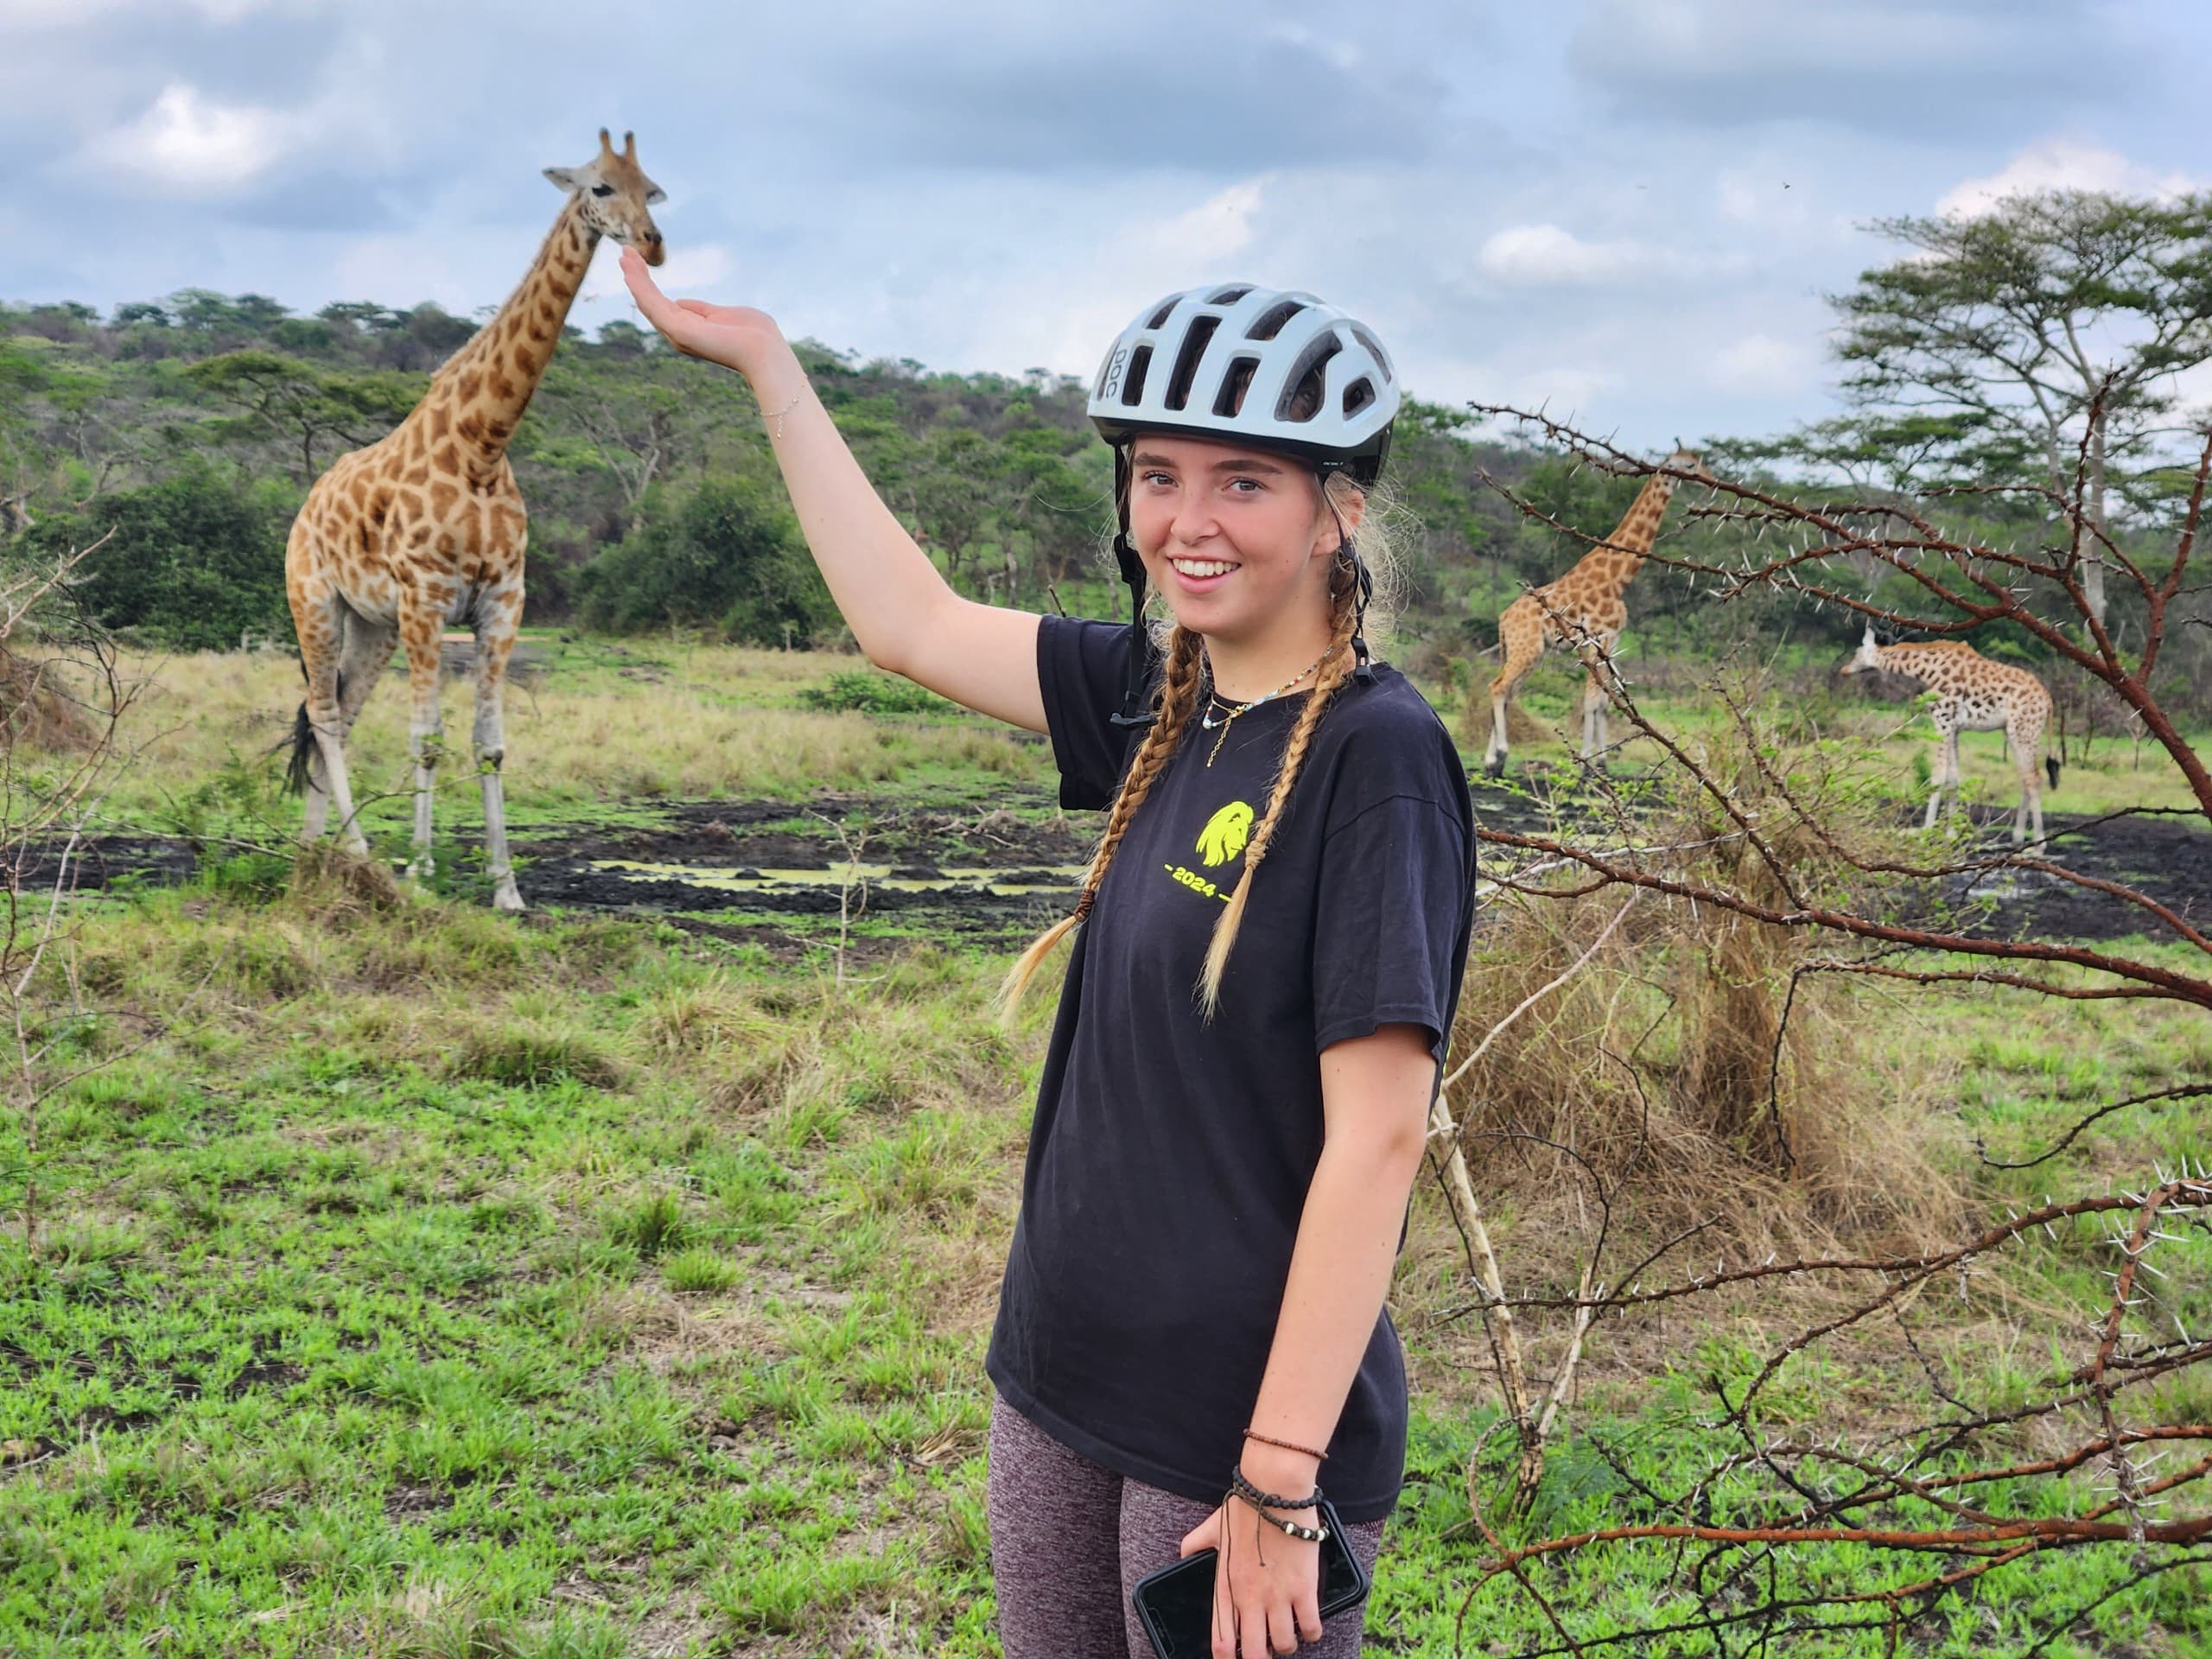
2058, 320
285, 400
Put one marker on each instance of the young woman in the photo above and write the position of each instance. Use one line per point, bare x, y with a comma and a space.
1267, 951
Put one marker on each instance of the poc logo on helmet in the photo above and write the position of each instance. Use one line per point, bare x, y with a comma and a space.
1110, 382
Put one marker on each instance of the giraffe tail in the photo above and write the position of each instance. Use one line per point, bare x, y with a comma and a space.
298, 773
2051, 766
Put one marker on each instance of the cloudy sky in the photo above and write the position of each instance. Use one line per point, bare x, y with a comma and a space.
1628, 208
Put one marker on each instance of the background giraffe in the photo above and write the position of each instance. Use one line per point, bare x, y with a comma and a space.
1582, 610
425, 527
1973, 694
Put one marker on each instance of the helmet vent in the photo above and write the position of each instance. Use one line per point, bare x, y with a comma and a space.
1228, 295
1166, 309
1234, 386
1186, 360
1303, 386
1374, 349
1358, 396
1132, 383
1270, 322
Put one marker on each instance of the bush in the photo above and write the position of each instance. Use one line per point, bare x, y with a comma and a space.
192, 563
723, 557
872, 693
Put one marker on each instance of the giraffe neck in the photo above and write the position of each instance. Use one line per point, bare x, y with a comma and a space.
1630, 542
1915, 662
485, 386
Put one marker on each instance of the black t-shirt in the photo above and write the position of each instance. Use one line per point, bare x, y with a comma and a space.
1170, 1158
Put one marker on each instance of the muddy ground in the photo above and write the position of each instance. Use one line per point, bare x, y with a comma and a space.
778, 868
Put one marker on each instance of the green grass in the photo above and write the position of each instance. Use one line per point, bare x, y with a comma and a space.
434, 1282
660, 1316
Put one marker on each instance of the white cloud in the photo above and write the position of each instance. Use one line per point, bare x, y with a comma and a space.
1766, 364
1544, 256
2061, 164
1215, 229
189, 142
28, 15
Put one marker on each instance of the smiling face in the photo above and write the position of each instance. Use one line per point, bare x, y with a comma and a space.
1238, 539
615, 195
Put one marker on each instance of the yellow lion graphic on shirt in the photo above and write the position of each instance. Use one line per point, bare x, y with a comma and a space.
1225, 833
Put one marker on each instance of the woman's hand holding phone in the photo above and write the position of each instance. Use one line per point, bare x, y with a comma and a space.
1267, 1584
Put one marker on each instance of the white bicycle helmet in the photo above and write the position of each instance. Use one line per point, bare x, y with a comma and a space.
1277, 369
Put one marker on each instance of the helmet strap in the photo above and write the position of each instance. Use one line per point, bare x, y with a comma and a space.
1136, 693
1347, 549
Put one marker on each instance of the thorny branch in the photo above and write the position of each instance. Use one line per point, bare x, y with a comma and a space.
1766, 1519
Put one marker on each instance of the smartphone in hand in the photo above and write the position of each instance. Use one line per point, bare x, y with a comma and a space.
1175, 1605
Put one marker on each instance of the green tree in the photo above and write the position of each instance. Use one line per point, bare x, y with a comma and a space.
302, 407
193, 562
2026, 319
725, 558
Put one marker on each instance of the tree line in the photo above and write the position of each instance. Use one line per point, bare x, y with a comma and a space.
1997, 357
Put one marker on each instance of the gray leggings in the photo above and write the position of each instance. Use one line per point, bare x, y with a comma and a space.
1070, 1541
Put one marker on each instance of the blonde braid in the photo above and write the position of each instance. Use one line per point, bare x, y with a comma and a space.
1334, 672
1177, 702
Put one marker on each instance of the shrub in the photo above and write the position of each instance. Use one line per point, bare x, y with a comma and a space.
872, 693
723, 558
192, 562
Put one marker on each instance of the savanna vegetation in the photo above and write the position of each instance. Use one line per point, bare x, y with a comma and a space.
381, 1275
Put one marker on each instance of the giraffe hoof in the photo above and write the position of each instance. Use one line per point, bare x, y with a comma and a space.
421, 869
505, 896
1495, 766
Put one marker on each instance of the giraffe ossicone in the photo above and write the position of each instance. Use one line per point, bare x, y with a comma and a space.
1583, 611
426, 528
1973, 694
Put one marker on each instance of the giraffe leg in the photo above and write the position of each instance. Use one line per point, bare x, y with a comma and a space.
1520, 631
1955, 774
1594, 702
424, 626
1936, 783
2024, 746
322, 620
319, 620
497, 615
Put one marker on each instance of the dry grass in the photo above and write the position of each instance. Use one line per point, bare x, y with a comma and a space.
1690, 1070
37, 710
598, 725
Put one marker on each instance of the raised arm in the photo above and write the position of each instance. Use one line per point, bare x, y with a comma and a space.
902, 611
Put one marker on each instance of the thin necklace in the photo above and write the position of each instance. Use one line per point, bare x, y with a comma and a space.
1215, 699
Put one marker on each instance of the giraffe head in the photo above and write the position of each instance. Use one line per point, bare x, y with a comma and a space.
1864, 660
1687, 459
614, 194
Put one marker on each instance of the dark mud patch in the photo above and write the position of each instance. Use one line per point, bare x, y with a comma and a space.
780, 873
2168, 859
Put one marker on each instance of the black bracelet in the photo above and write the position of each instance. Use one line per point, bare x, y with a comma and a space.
1258, 1499
1289, 1529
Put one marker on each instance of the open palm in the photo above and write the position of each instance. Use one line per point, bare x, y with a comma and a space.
729, 335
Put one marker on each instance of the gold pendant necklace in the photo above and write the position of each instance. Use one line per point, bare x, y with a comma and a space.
1207, 721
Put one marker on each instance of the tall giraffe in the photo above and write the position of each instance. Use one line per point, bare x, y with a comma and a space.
1582, 610
1973, 694
426, 527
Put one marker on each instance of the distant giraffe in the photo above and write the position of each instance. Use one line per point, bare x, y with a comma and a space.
1583, 611
426, 527
1973, 694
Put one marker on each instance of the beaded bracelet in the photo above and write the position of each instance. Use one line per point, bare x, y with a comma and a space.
1311, 1535
1258, 1499
1287, 1446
